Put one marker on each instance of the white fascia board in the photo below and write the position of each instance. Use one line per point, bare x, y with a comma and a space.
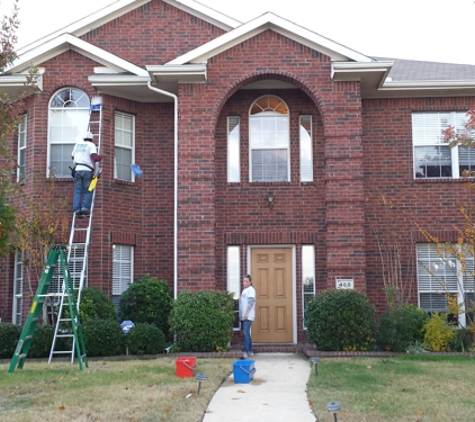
67, 42
426, 85
277, 24
205, 13
188, 73
90, 22
121, 7
122, 80
358, 68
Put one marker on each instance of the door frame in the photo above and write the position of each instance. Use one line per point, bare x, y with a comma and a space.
294, 279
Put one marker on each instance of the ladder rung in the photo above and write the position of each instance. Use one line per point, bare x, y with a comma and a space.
64, 335
62, 352
22, 356
29, 337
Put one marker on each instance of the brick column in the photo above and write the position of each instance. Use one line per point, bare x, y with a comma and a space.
196, 191
344, 202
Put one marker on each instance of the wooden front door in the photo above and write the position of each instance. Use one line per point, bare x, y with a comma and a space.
271, 271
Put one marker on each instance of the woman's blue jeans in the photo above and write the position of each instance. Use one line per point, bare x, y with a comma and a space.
246, 332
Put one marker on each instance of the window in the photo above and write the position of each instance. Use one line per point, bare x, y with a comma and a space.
67, 122
439, 273
21, 170
122, 270
269, 140
234, 139
124, 146
234, 280
306, 162
17, 316
308, 274
432, 157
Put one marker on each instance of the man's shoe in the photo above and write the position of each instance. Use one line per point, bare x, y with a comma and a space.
251, 354
245, 355
79, 214
86, 212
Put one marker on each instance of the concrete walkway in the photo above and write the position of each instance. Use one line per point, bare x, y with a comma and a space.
277, 392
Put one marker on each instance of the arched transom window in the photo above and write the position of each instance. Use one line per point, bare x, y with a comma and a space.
67, 122
269, 146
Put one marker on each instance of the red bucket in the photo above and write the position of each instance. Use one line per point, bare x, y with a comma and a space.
185, 367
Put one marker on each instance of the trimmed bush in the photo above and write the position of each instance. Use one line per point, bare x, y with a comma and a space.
103, 337
9, 336
400, 327
341, 320
42, 341
95, 304
438, 334
145, 339
203, 321
147, 301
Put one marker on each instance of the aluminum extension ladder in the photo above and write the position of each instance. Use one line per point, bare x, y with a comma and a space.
56, 256
79, 240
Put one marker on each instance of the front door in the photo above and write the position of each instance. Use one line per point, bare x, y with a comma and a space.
271, 271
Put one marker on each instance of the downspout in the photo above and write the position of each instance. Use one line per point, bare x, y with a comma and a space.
175, 189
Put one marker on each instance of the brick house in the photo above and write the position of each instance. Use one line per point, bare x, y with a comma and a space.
265, 148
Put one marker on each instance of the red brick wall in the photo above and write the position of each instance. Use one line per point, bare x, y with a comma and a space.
388, 170
153, 34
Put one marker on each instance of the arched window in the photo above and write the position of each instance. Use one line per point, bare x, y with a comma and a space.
68, 120
269, 145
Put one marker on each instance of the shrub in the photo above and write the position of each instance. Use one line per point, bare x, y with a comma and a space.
461, 342
203, 321
95, 304
147, 301
145, 339
9, 336
42, 341
103, 337
341, 320
400, 327
438, 334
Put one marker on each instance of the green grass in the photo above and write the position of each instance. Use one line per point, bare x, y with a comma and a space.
134, 390
406, 388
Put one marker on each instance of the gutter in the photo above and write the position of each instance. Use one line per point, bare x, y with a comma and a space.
175, 183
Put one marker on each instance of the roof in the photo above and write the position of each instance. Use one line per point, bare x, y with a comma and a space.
379, 77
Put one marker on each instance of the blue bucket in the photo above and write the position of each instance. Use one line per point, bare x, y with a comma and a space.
136, 170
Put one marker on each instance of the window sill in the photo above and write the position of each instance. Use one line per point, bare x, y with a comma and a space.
124, 182
445, 180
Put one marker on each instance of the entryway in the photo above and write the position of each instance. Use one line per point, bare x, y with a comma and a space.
271, 271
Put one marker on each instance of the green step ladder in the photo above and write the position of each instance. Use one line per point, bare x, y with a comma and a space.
56, 255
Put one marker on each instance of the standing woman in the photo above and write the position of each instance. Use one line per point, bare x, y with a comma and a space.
247, 303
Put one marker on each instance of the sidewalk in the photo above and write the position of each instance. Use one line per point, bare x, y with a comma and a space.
277, 393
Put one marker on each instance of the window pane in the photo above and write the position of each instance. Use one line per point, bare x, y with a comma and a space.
121, 268
269, 165
466, 159
269, 140
306, 159
68, 119
122, 162
433, 161
427, 127
234, 279
234, 174
61, 160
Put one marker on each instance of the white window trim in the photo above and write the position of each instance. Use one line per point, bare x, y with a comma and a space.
131, 148
308, 276
233, 149
116, 286
306, 143
17, 309
233, 277
450, 264
22, 136
73, 140
288, 141
454, 120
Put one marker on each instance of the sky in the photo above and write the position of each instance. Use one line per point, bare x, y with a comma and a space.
428, 30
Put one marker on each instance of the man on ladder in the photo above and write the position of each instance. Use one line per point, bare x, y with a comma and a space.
84, 156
